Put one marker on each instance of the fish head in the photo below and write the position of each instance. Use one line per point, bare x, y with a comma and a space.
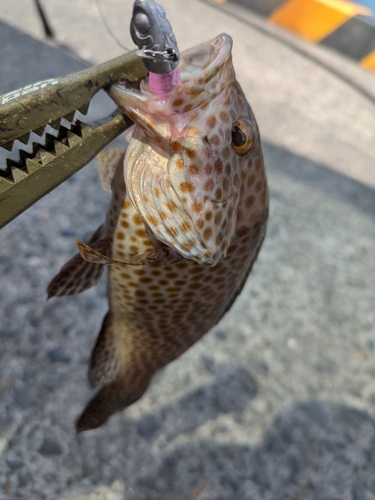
190, 151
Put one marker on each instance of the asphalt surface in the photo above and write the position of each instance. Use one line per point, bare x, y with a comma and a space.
278, 400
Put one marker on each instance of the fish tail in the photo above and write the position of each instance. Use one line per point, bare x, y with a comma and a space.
77, 274
112, 365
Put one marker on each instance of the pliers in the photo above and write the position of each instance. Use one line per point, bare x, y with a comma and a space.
32, 108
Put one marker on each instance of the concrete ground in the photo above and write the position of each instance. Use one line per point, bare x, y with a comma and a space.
278, 400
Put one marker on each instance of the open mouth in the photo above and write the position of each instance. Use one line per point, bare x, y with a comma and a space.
199, 68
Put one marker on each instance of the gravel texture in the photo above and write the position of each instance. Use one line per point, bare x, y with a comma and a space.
278, 400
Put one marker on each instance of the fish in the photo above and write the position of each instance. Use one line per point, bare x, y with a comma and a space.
186, 221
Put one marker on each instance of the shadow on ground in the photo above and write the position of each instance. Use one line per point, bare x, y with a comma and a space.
313, 451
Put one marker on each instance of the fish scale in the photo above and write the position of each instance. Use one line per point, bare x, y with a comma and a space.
186, 222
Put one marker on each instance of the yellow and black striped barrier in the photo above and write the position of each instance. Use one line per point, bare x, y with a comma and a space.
344, 26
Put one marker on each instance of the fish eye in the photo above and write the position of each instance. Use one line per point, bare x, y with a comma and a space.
242, 136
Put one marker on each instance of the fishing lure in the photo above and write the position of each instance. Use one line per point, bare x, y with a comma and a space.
186, 222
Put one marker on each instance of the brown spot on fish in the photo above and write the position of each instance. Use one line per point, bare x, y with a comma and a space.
186, 187
171, 231
171, 205
219, 239
223, 115
185, 226
146, 279
120, 235
197, 207
218, 165
258, 186
141, 232
137, 219
251, 180
172, 275
208, 169
180, 163
153, 220
193, 170
207, 233
255, 216
177, 102
211, 121
215, 139
186, 248
194, 91
191, 153
249, 202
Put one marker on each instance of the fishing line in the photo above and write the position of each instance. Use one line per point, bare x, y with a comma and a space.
108, 28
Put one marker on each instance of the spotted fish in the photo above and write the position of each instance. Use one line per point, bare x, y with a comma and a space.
186, 222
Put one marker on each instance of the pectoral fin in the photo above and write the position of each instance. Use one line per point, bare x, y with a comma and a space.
77, 274
91, 254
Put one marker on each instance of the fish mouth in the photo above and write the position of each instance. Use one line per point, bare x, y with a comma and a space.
205, 71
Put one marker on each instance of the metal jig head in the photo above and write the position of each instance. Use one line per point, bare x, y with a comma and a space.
153, 34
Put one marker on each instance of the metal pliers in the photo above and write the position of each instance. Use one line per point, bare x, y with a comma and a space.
32, 108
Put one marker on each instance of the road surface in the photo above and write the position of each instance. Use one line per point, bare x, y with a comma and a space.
278, 400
